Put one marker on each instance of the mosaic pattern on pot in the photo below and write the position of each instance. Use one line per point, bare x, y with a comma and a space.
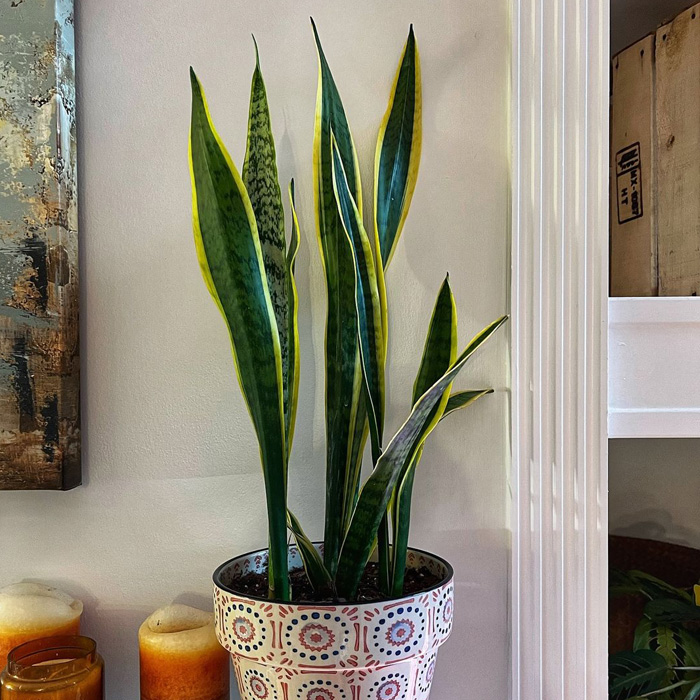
424, 675
390, 685
319, 637
397, 632
241, 628
324, 688
443, 601
258, 685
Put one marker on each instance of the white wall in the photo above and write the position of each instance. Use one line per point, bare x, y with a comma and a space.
173, 484
654, 487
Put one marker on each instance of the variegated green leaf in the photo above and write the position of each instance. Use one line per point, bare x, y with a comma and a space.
635, 673
678, 646
344, 409
398, 152
462, 399
262, 184
292, 327
230, 255
316, 572
376, 492
369, 318
439, 353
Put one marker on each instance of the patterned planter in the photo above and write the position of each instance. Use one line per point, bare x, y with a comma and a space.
372, 651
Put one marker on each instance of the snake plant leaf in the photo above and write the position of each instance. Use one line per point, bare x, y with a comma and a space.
369, 315
316, 572
634, 673
439, 352
262, 184
290, 408
343, 385
462, 399
398, 152
231, 259
401, 505
377, 490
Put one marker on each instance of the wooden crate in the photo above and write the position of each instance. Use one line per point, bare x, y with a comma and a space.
633, 245
655, 163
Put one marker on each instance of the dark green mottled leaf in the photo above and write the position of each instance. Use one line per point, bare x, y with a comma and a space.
344, 411
230, 256
262, 184
376, 492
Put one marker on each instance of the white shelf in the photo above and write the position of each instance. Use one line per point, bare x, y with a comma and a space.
654, 367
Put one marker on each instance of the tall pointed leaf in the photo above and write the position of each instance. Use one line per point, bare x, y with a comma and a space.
396, 162
262, 184
316, 572
439, 353
369, 315
344, 411
230, 255
290, 407
377, 490
398, 152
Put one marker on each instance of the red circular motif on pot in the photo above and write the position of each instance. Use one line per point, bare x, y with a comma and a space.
316, 637
259, 688
400, 633
243, 629
389, 690
320, 694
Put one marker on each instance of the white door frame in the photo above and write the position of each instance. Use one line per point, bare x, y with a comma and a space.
560, 79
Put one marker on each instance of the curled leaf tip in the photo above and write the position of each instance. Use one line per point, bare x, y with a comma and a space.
257, 53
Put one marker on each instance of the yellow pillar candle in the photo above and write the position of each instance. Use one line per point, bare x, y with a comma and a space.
31, 611
180, 656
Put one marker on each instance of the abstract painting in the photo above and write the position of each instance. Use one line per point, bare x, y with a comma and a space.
39, 349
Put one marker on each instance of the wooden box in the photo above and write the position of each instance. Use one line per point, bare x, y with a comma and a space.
655, 163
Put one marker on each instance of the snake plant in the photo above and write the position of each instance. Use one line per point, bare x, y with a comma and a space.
249, 270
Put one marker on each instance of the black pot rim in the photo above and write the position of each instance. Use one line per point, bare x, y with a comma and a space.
449, 575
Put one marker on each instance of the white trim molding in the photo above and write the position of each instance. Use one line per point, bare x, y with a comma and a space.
560, 79
654, 378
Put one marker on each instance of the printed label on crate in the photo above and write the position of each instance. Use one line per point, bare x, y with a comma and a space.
628, 162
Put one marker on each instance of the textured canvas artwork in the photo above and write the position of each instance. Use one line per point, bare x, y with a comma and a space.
39, 357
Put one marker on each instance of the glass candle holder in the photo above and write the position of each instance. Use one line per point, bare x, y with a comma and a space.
32, 611
54, 668
180, 657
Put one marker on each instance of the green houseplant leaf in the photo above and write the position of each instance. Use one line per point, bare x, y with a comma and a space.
439, 352
290, 408
262, 184
369, 315
673, 642
634, 673
315, 569
376, 492
231, 259
670, 611
345, 411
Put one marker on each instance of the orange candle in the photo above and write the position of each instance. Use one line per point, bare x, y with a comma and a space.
31, 611
54, 668
180, 656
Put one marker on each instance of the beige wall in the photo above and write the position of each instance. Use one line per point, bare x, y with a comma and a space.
173, 484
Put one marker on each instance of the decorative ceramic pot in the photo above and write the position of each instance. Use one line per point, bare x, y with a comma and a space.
383, 650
